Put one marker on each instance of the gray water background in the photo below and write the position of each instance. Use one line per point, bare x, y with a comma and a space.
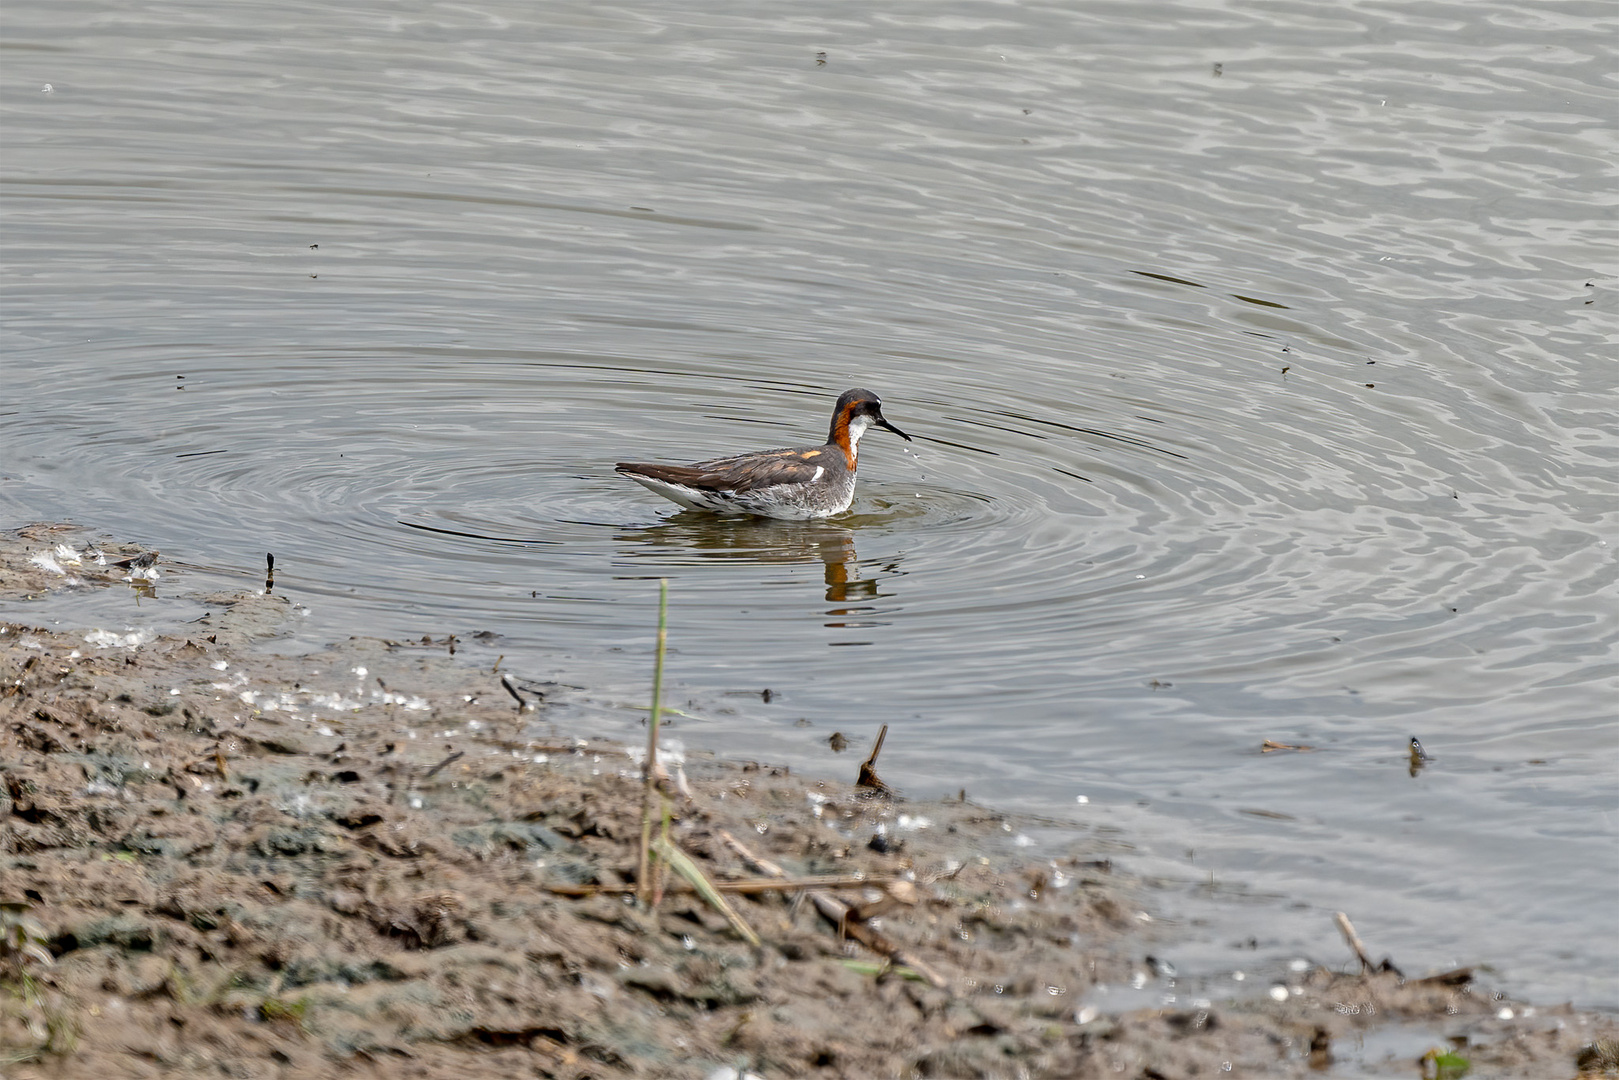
1261, 359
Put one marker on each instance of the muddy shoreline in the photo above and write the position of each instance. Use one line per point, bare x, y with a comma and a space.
365, 861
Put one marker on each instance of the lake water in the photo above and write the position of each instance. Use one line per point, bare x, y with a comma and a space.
1261, 363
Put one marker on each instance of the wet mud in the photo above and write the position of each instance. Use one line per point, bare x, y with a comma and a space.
372, 861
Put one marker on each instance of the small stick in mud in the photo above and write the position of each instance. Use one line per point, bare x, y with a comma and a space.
649, 780
897, 893
837, 913
1347, 929
746, 887
506, 681
457, 756
763, 865
868, 777
269, 572
1453, 978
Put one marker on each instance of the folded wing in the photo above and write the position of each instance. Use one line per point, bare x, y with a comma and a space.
751, 472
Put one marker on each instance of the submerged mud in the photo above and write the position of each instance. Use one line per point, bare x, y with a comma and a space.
373, 861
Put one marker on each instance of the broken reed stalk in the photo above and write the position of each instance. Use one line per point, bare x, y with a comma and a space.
660, 869
868, 777
643, 877
681, 863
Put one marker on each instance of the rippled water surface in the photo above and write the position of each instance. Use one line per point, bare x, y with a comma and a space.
1261, 363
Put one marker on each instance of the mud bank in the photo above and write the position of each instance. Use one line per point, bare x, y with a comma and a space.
368, 861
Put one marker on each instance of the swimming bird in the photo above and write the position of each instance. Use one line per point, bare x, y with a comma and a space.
797, 483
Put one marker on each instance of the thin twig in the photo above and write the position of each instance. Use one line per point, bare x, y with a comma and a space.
763, 865
1347, 929
746, 887
643, 876
457, 756
836, 912
506, 681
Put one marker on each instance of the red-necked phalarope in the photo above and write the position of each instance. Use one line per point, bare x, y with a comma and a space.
796, 483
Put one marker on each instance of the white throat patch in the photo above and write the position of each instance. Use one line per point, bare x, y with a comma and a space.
857, 428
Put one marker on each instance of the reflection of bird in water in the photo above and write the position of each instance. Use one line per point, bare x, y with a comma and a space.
766, 541
797, 483
841, 588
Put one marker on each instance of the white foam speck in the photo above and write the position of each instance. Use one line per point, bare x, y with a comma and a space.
106, 639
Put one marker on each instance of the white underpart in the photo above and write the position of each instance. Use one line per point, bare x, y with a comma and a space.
690, 498
791, 502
